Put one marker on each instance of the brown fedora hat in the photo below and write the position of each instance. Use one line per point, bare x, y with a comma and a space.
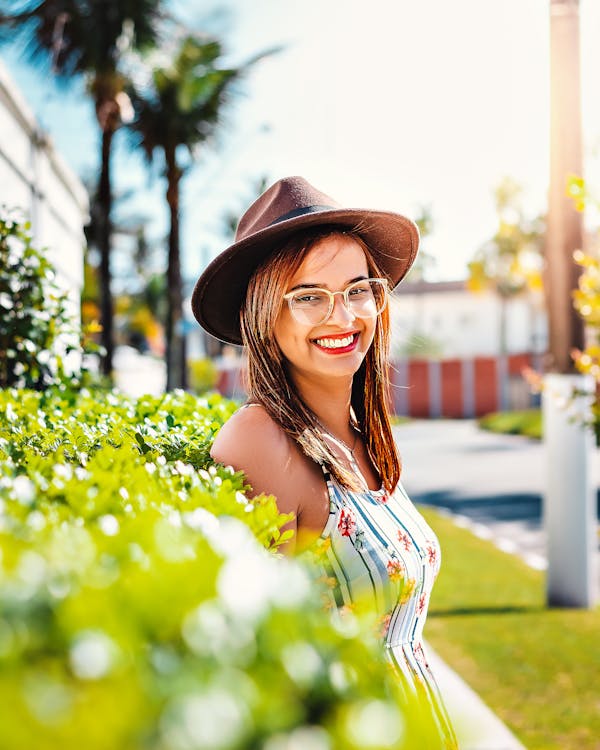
292, 204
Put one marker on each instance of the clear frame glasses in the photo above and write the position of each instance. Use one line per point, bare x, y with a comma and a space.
363, 299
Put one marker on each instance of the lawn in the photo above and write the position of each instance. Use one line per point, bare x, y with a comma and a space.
526, 422
537, 668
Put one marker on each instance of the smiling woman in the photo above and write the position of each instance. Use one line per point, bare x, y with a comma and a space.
304, 288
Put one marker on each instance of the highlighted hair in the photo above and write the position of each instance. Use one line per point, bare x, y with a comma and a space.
269, 382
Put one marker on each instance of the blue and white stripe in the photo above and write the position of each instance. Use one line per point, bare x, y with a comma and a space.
381, 547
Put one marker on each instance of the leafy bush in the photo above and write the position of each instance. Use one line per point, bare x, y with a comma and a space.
33, 310
203, 374
141, 606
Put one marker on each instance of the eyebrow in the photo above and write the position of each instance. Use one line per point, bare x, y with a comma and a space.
324, 286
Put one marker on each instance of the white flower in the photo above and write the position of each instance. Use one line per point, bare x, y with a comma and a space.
109, 524
213, 719
202, 520
63, 470
92, 655
24, 490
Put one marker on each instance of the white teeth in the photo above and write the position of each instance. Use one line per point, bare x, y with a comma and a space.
335, 343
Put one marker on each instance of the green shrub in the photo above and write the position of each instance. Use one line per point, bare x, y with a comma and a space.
203, 375
526, 422
33, 311
142, 606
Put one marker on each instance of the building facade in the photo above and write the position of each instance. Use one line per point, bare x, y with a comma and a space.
37, 182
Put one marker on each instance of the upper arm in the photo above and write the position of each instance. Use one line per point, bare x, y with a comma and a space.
252, 442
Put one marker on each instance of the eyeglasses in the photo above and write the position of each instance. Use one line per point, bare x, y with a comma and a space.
363, 299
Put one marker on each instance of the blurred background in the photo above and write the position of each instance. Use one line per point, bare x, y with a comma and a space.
134, 162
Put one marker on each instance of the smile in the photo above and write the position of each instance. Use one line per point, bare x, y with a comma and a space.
339, 343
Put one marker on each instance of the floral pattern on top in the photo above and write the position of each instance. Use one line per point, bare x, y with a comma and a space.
381, 546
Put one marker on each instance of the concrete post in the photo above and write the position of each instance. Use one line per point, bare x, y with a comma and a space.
569, 504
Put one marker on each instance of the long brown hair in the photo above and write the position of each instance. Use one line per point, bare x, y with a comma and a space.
270, 385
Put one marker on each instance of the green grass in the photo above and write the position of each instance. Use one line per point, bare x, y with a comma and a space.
526, 422
537, 668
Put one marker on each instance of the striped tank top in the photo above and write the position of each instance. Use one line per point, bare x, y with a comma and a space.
380, 546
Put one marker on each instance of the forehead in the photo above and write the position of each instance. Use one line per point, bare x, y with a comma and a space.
332, 261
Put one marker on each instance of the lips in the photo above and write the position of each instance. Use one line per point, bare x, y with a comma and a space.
337, 344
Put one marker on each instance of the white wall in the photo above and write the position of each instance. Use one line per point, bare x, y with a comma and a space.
466, 323
36, 180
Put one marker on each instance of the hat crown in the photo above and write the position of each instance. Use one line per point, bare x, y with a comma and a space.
290, 194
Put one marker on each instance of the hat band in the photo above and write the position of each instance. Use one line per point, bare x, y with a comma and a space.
301, 212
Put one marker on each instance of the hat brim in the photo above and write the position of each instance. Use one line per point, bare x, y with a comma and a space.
221, 289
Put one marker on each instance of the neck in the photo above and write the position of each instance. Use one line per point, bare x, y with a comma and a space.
330, 401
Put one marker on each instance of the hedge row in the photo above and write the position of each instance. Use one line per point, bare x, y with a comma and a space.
142, 602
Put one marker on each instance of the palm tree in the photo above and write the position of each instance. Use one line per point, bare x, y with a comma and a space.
88, 37
510, 262
179, 108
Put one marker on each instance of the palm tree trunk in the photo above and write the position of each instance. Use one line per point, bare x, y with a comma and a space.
176, 349
104, 242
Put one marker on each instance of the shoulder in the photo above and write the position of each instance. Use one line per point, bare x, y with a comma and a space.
250, 435
253, 442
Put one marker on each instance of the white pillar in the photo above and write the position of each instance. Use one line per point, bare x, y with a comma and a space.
569, 504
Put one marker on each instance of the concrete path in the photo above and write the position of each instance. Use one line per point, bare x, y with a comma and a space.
136, 374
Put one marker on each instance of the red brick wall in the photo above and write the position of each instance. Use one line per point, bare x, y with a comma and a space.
418, 382
486, 385
452, 392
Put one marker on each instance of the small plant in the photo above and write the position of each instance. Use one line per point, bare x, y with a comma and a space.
34, 319
203, 375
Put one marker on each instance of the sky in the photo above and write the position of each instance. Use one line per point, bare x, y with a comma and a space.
390, 104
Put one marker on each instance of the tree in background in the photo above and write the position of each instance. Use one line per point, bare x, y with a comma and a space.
510, 263
139, 287
419, 342
586, 298
178, 107
79, 37
424, 260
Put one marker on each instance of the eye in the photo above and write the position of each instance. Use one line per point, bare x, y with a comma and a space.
358, 291
308, 298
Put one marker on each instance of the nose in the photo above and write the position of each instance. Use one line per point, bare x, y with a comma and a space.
340, 313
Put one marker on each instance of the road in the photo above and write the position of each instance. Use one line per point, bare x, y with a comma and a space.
492, 483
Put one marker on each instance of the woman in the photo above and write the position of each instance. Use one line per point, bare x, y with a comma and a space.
304, 288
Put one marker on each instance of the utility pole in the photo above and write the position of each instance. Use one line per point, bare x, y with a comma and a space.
565, 224
569, 503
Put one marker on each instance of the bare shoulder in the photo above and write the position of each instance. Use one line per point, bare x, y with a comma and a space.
250, 435
252, 442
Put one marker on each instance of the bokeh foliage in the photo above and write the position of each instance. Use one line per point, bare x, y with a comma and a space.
143, 603
586, 298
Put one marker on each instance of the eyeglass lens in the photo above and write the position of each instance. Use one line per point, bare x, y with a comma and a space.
365, 299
